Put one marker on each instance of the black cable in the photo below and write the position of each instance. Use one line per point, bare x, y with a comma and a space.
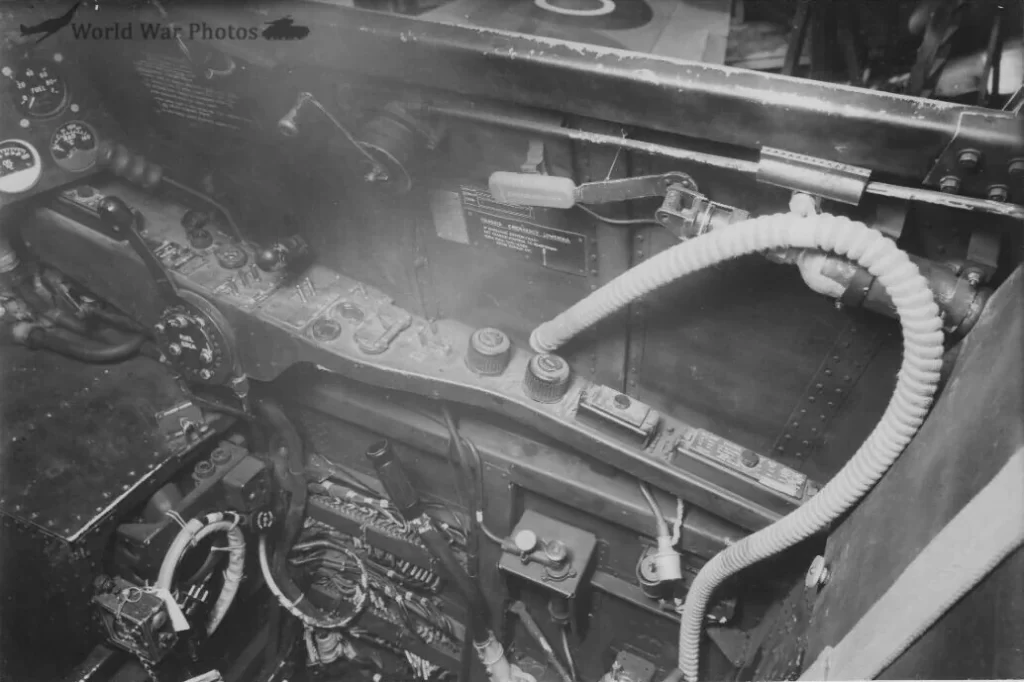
475, 492
472, 540
80, 348
618, 221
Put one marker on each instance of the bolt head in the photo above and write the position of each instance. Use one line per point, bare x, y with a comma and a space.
174, 349
557, 551
949, 184
1016, 167
969, 159
817, 573
998, 193
205, 374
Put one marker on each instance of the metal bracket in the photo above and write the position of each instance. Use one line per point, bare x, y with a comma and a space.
624, 189
819, 177
182, 422
687, 214
982, 258
985, 158
536, 161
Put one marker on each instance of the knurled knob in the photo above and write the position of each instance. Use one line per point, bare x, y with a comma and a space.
547, 378
489, 351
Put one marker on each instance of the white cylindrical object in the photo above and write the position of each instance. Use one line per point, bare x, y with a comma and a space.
668, 561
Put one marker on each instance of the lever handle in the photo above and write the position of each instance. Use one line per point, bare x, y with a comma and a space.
116, 216
533, 189
124, 222
552, 191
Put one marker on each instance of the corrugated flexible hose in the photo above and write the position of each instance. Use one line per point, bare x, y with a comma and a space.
915, 387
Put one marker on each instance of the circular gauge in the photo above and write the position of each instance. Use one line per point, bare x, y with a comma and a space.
20, 166
74, 146
39, 88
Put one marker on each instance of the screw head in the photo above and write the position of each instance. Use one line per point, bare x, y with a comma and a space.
174, 349
969, 159
817, 573
205, 374
998, 193
1016, 167
949, 184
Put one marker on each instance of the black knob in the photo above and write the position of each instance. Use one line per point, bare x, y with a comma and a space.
194, 220
547, 378
269, 260
116, 215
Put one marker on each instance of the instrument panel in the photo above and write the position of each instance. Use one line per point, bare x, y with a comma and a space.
51, 123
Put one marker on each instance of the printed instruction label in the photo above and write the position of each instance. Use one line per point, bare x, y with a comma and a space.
472, 216
175, 92
767, 472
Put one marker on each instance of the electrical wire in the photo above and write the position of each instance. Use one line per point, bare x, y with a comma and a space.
329, 555
568, 653
309, 97
659, 518
623, 222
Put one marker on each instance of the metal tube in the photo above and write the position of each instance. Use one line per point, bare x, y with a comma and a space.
715, 160
505, 121
931, 196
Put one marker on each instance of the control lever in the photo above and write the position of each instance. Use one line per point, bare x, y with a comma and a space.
288, 125
124, 223
684, 212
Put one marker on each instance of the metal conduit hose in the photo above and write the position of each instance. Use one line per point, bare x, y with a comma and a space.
916, 384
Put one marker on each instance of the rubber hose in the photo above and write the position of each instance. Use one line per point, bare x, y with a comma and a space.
77, 347
194, 531
915, 387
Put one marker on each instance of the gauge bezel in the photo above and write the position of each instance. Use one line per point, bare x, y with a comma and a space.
37, 168
54, 65
63, 163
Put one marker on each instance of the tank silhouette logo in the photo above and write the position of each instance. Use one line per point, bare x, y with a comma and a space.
284, 28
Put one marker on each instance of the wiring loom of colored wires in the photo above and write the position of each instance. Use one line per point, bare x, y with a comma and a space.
326, 554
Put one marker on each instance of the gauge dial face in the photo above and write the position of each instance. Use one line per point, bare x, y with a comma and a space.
39, 89
20, 166
74, 146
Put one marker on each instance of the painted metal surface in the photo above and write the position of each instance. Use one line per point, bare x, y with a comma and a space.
972, 431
